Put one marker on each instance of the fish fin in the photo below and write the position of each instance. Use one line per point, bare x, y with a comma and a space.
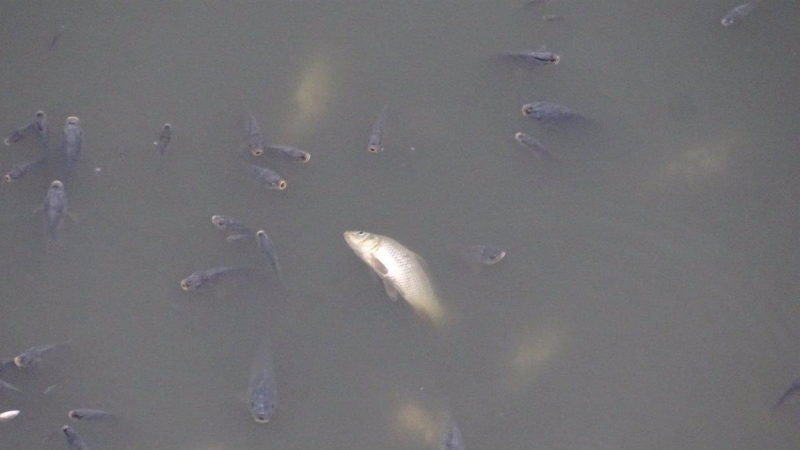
376, 264
391, 290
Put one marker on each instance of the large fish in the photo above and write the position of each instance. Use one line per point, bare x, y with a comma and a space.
262, 393
402, 271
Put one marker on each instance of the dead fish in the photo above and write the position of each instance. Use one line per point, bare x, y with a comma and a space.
72, 143
57, 36
74, 441
204, 278
8, 415
55, 208
737, 14
290, 153
90, 415
19, 170
262, 392
267, 249
402, 271
534, 145
266, 177
254, 137
164, 138
33, 355
236, 230
375, 142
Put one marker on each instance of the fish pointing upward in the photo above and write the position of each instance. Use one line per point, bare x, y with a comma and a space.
402, 271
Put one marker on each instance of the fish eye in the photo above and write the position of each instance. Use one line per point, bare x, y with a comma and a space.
361, 233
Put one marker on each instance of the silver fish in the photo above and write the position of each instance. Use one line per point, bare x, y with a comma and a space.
74, 440
549, 112
534, 145
290, 153
19, 170
33, 355
55, 208
267, 249
375, 142
267, 177
262, 392
737, 14
164, 138
402, 271
203, 278
90, 415
8, 415
4, 385
236, 230
72, 143
487, 254
254, 137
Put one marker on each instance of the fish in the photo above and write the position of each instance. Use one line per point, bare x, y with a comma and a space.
254, 137
535, 58
267, 249
236, 230
8, 415
402, 271
203, 278
57, 36
262, 392
533, 144
33, 355
451, 437
164, 138
549, 112
487, 254
72, 143
553, 18
737, 14
40, 127
375, 141
789, 393
74, 440
290, 153
535, 3
55, 208
90, 415
4, 385
267, 177
19, 170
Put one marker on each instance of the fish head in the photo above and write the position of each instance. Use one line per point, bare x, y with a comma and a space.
262, 409
11, 176
67, 430
528, 109
362, 241
192, 282
219, 221
57, 185
375, 145
73, 120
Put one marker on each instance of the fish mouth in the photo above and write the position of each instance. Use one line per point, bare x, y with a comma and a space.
306, 158
73, 120
373, 149
527, 110
257, 151
8, 178
18, 361
185, 285
281, 185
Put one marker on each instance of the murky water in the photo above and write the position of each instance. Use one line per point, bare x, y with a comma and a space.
649, 294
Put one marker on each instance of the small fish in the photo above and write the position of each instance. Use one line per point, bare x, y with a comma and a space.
790, 392
72, 143
33, 355
402, 271
375, 142
537, 58
8, 415
19, 170
548, 112
4, 385
57, 36
487, 254
90, 415
236, 230
267, 249
451, 437
737, 14
203, 278
533, 144
55, 208
267, 177
74, 441
164, 138
553, 18
40, 127
49, 390
262, 392
290, 153
254, 137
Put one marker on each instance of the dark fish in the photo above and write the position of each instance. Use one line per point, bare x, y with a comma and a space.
267, 249
487, 254
32, 355
262, 393
4, 385
72, 143
203, 278
451, 438
55, 208
162, 144
236, 230
19, 170
90, 415
737, 14
290, 153
57, 36
74, 441
790, 392
375, 142
40, 127
549, 112
553, 18
532, 59
254, 137
533, 144
267, 177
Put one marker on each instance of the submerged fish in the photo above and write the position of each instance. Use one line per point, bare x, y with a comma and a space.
290, 153
56, 36
262, 393
375, 142
74, 441
451, 437
402, 271
549, 112
55, 208
254, 137
266, 177
164, 138
789, 393
19, 170
33, 355
40, 127
736, 15
236, 230
487, 254
72, 143
4, 385
534, 145
203, 278
90, 415
267, 249
537, 58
